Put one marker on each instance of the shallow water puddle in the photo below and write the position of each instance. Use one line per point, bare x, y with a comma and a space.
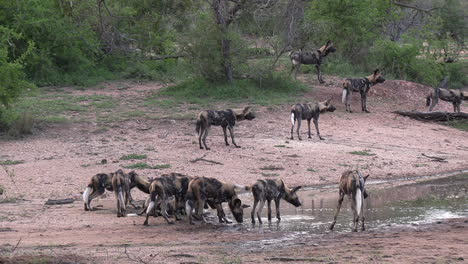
409, 204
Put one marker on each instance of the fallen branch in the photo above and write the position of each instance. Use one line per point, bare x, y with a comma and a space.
427, 11
60, 201
164, 57
433, 116
433, 158
17, 244
138, 258
206, 160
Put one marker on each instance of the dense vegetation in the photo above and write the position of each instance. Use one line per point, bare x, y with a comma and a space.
222, 48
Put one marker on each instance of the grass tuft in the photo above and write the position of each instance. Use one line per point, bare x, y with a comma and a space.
272, 167
142, 165
11, 162
365, 152
133, 157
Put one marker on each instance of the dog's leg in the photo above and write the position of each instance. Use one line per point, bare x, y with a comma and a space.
117, 194
298, 127
225, 136
207, 129
164, 210
293, 122
319, 74
317, 128
231, 131
362, 215
348, 101
269, 210
252, 214
259, 212
364, 102
277, 205
200, 135
144, 206
94, 194
308, 124
132, 202
340, 201
355, 214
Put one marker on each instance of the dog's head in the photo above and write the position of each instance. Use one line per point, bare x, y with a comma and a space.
326, 106
237, 209
376, 77
245, 113
291, 196
327, 48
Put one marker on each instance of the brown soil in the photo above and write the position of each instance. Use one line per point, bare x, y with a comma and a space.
60, 159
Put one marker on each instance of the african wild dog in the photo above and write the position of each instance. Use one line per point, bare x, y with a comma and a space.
450, 95
316, 57
121, 187
307, 112
225, 119
213, 192
361, 85
267, 190
103, 181
352, 184
164, 187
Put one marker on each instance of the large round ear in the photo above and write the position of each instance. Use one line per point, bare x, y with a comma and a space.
377, 71
237, 202
295, 189
329, 42
246, 109
329, 100
245, 206
365, 177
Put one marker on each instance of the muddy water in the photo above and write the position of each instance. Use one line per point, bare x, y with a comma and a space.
387, 205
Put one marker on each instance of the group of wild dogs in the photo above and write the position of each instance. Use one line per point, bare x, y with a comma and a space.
177, 194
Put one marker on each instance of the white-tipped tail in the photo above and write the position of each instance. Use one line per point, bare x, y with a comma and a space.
150, 207
188, 207
86, 194
343, 98
358, 201
293, 120
122, 200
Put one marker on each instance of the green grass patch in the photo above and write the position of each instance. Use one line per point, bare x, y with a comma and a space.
142, 165
272, 167
461, 125
311, 170
133, 157
273, 89
11, 162
362, 153
280, 146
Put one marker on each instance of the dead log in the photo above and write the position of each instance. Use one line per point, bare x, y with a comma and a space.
60, 201
433, 116
206, 160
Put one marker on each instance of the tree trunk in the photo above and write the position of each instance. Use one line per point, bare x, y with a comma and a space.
221, 9
227, 65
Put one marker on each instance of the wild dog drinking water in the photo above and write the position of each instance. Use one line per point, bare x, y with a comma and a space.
204, 190
315, 57
101, 182
352, 183
165, 187
449, 95
361, 85
308, 112
268, 190
226, 119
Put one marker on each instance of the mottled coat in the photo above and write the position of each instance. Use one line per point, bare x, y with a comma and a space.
103, 181
308, 112
449, 95
268, 190
165, 187
362, 86
225, 118
352, 184
308, 57
204, 190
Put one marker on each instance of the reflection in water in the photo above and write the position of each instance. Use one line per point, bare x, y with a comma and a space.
402, 205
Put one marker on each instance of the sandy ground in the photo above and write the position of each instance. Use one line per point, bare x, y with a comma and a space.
60, 159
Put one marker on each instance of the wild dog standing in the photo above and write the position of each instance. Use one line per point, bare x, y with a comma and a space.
121, 186
225, 119
361, 85
267, 190
307, 112
352, 184
204, 190
316, 57
450, 95
165, 187
98, 184
102, 181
